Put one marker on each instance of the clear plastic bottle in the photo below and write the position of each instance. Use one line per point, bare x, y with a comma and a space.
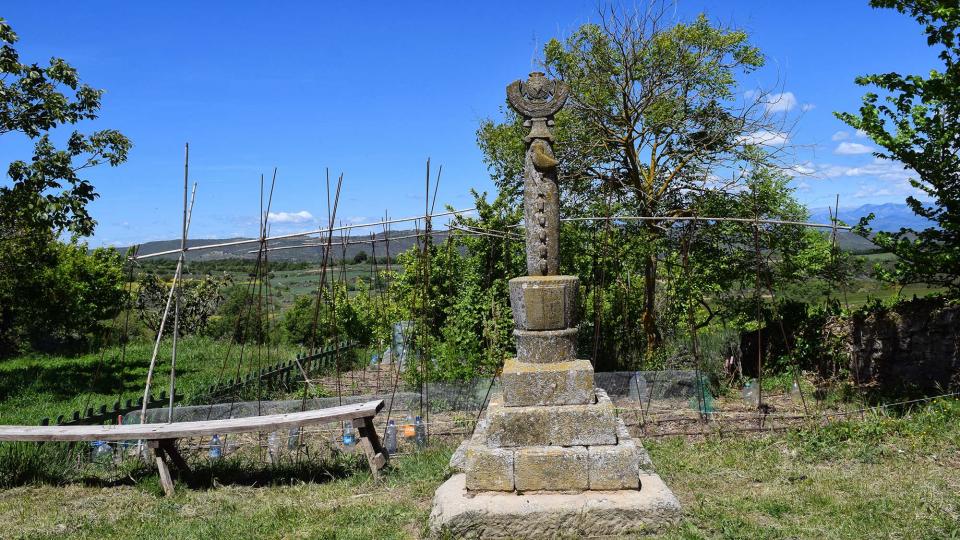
349, 440
749, 393
293, 438
420, 432
273, 447
390, 437
216, 448
409, 431
102, 451
795, 393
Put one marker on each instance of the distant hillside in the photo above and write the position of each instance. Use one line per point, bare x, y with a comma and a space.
399, 241
890, 217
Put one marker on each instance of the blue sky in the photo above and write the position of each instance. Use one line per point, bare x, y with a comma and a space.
371, 90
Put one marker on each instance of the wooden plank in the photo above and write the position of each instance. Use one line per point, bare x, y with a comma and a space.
179, 430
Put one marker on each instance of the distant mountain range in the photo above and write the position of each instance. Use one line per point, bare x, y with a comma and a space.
399, 241
889, 217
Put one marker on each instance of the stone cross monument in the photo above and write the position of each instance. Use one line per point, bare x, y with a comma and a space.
551, 458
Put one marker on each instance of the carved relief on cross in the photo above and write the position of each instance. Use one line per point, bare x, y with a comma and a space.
537, 99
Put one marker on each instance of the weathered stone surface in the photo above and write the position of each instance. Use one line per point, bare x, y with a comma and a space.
615, 466
543, 346
537, 100
590, 514
557, 383
489, 469
552, 468
544, 302
559, 425
458, 461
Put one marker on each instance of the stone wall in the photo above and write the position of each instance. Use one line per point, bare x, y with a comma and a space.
912, 348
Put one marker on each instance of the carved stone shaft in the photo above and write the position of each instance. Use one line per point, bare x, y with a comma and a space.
537, 100
541, 213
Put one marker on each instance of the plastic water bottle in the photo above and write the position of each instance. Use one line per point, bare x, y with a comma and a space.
420, 431
216, 448
795, 393
293, 438
749, 393
102, 452
409, 432
273, 448
348, 439
390, 437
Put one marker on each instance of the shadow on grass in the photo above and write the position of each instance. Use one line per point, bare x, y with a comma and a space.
23, 464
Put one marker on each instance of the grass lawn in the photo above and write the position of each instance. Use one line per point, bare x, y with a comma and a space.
885, 477
36, 386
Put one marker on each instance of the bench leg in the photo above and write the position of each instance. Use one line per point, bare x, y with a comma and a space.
170, 447
377, 457
165, 481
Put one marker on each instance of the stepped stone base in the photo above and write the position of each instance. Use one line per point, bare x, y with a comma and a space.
559, 425
557, 383
555, 468
491, 514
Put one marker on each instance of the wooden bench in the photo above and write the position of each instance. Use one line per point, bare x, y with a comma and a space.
162, 437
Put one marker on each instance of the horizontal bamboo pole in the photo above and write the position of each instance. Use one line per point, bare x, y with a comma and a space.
296, 235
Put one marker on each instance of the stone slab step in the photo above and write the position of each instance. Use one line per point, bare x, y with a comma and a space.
552, 425
559, 383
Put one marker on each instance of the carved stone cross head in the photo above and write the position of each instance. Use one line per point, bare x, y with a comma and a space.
537, 100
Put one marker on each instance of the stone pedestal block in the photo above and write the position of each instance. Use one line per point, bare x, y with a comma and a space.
615, 466
557, 383
552, 468
560, 425
545, 346
544, 302
489, 469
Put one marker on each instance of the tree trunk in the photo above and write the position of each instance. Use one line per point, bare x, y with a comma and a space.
650, 329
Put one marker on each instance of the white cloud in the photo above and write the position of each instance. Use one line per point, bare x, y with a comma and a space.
808, 107
783, 102
882, 169
290, 217
840, 135
805, 169
861, 133
765, 138
852, 148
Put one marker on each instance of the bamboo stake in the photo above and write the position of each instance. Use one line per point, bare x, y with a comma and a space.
177, 283
163, 321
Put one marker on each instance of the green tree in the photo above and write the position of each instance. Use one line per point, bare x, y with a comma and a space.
44, 199
360, 257
54, 294
340, 318
200, 300
916, 121
656, 116
48, 193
